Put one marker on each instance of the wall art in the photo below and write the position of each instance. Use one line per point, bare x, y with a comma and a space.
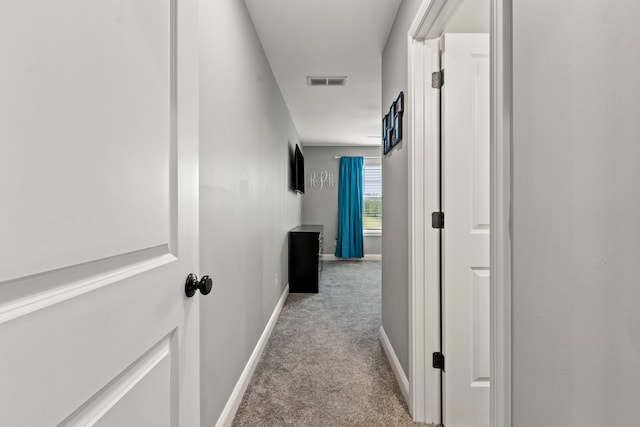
321, 179
392, 125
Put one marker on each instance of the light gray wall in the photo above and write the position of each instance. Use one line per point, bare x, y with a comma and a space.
246, 207
576, 213
321, 206
395, 184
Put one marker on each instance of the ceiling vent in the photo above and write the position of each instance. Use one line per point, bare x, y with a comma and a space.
327, 81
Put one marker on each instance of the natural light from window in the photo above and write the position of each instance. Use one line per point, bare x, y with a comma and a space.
372, 196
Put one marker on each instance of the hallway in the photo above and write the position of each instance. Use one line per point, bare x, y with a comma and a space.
324, 365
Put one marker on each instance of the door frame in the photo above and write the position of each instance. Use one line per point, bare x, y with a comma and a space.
429, 24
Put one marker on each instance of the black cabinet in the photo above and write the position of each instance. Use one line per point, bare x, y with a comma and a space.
305, 258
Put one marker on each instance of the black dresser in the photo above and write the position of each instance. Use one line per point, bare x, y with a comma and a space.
305, 258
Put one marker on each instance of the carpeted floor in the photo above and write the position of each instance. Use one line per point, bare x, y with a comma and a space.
324, 365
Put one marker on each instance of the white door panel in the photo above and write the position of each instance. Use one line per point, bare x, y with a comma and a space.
465, 104
98, 225
141, 395
142, 405
85, 131
480, 327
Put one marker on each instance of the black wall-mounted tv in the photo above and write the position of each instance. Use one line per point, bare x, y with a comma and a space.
298, 171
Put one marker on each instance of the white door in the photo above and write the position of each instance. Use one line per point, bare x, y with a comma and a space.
465, 108
98, 213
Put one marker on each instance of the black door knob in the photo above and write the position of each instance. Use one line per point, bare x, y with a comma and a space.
192, 285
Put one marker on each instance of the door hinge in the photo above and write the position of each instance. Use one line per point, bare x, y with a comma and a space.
438, 360
437, 79
437, 220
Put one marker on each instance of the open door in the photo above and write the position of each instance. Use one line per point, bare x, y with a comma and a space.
465, 195
99, 213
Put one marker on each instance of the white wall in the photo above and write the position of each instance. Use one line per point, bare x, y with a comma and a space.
246, 207
395, 190
576, 213
472, 16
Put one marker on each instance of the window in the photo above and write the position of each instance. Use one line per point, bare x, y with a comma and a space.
372, 196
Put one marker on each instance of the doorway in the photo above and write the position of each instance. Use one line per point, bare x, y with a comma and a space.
434, 19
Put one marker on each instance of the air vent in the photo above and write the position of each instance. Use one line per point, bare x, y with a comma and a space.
337, 82
312, 81
327, 81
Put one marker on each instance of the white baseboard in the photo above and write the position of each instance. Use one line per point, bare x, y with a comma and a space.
230, 409
367, 257
403, 382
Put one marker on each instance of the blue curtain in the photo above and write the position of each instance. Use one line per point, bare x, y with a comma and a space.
350, 208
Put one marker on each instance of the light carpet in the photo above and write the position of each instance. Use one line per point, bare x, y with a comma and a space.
324, 365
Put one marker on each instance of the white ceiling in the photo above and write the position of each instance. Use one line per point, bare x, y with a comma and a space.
328, 38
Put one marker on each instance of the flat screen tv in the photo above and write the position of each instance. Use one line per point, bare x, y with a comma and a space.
298, 171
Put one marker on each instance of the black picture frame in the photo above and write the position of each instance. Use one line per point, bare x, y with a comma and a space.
392, 125
385, 132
